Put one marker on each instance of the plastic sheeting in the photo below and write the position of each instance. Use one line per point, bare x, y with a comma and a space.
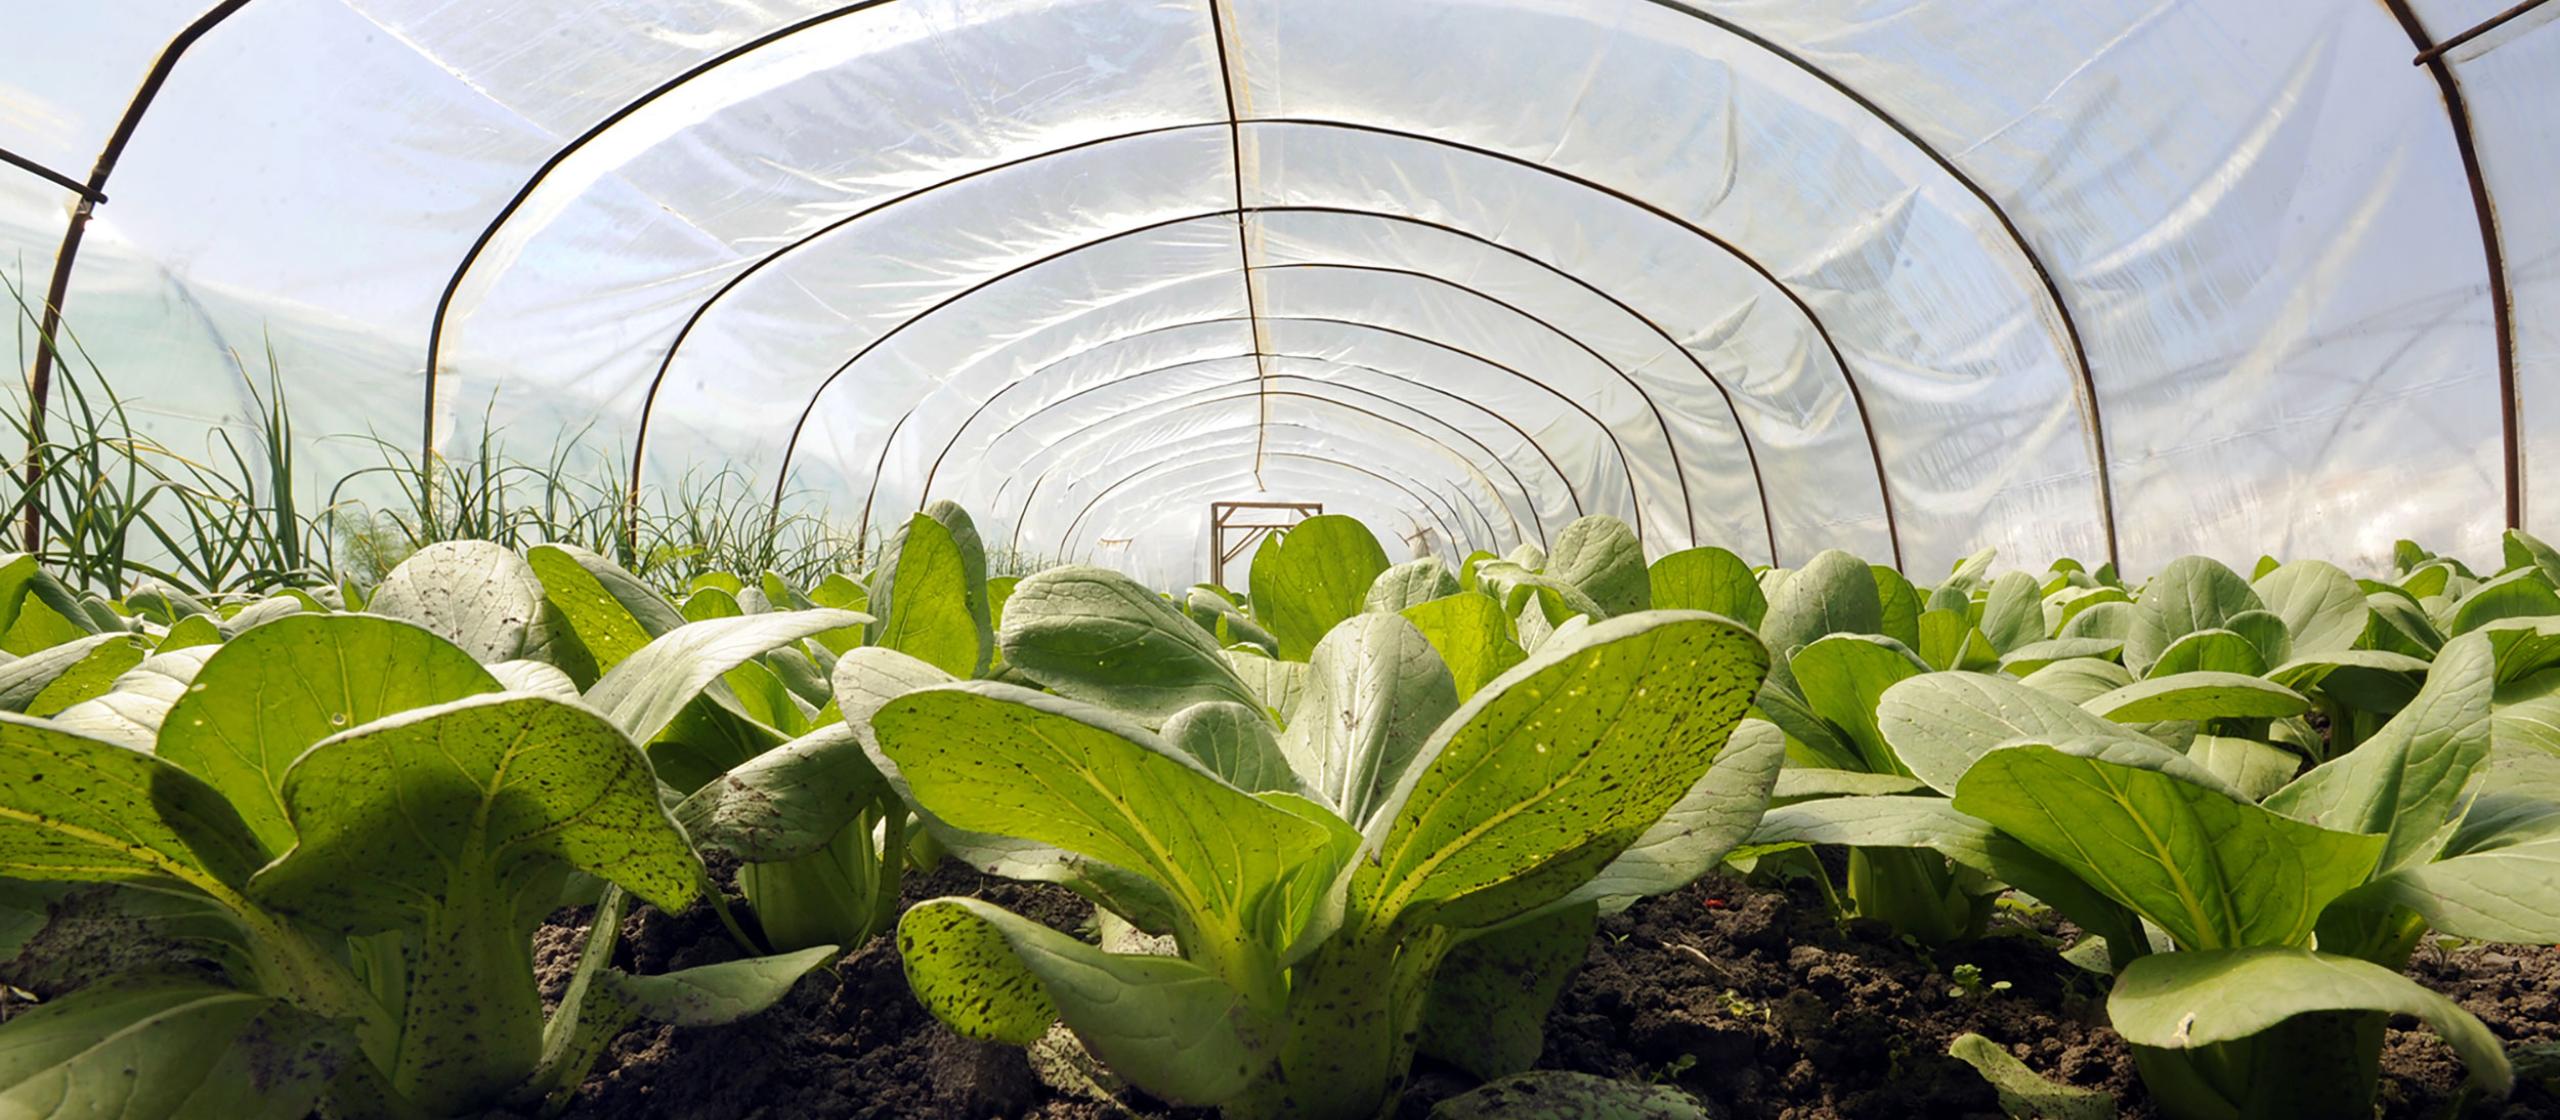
1909, 278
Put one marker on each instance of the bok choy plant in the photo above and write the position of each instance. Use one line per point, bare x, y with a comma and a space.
1323, 883
361, 831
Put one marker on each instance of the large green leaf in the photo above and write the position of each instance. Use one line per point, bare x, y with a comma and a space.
2193, 593
265, 697
1488, 1003
1410, 584
92, 676
1096, 635
2178, 1001
931, 598
612, 613
477, 595
2014, 614
2199, 695
2321, 606
81, 810
130, 714
1311, 576
2508, 894
1277, 684
1940, 724
2210, 651
993, 758
1833, 594
1900, 605
168, 1048
2213, 871
643, 694
2407, 780
787, 802
1717, 814
714, 995
1949, 641
2036, 655
1599, 556
1472, 635
1711, 580
24, 679
1550, 773
1375, 692
455, 825
2253, 767
2523, 549
866, 681
1842, 677
2078, 679
391, 811
1236, 743
1164, 1023
2525, 593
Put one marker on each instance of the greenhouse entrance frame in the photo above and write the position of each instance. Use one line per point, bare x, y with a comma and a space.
1248, 522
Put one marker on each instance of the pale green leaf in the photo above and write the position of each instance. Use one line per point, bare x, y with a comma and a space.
2213, 871
1236, 743
1552, 771
1094, 634
2407, 780
2178, 1001
643, 694
1311, 576
168, 1048
2198, 696
265, 697
2193, 593
477, 595
1375, 691
1711, 580
1409, 584
1599, 556
1472, 636
1164, 1023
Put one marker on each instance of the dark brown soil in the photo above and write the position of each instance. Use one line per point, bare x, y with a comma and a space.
1754, 1000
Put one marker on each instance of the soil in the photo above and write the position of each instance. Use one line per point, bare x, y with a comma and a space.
1754, 1000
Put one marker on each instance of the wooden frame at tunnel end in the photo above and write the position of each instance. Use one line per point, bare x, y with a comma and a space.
1237, 526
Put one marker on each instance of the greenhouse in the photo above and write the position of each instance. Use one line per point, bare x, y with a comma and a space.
1784, 559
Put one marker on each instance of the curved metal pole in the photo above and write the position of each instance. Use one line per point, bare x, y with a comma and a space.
1520, 484
58, 291
1572, 493
1768, 517
2501, 310
1186, 401
1857, 398
800, 425
2092, 423
470, 257
1602, 427
1262, 347
1848, 377
1133, 477
1744, 433
1455, 519
1757, 267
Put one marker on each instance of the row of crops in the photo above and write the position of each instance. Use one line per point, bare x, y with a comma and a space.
277, 855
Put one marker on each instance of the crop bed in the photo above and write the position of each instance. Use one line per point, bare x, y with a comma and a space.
1754, 1000
1551, 834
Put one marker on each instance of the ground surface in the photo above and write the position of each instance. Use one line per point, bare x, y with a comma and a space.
1753, 1000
